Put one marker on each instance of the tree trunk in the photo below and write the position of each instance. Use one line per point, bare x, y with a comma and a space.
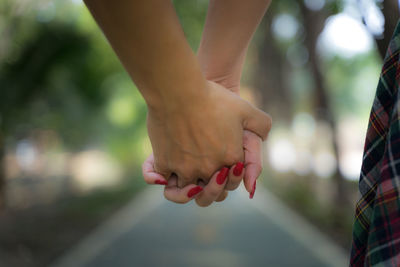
314, 23
270, 72
2, 172
391, 13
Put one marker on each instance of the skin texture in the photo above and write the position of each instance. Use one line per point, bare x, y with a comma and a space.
203, 150
229, 27
195, 126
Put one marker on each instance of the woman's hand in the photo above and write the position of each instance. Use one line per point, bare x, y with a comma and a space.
195, 140
204, 195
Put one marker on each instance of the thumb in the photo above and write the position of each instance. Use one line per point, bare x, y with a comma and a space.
256, 121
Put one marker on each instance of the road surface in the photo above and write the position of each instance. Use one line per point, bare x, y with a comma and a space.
151, 231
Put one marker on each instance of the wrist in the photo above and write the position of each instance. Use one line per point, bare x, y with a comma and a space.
229, 81
182, 99
227, 74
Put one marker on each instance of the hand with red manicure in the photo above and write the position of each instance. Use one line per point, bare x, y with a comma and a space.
227, 179
221, 55
204, 194
195, 125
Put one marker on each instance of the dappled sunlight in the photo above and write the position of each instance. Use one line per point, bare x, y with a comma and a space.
351, 133
306, 147
65, 173
285, 26
26, 154
40, 171
282, 155
73, 131
345, 36
93, 169
315, 4
324, 164
303, 126
121, 111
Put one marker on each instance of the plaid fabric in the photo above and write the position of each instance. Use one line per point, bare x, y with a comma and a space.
376, 230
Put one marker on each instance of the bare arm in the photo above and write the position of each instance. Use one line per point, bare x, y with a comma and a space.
229, 27
147, 37
195, 126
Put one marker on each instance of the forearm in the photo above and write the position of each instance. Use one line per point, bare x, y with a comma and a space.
148, 39
229, 27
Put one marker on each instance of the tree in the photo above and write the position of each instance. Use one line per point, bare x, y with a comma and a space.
50, 85
390, 11
314, 22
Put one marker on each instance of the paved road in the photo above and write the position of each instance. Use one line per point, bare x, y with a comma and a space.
238, 232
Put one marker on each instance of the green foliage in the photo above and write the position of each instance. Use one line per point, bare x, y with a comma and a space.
352, 83
192, 15
56, 78
51, 85
58, 72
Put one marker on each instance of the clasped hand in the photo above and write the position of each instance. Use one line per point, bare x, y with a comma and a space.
195, 143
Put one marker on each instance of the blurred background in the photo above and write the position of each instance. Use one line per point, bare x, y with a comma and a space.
72, 124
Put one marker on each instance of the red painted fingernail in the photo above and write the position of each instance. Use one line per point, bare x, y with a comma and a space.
254, 190
162, 182
223, 173
194, 191
237, 171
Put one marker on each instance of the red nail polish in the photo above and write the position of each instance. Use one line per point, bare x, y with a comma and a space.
162, 182
223, 173
194, 191
254, 189
237, 171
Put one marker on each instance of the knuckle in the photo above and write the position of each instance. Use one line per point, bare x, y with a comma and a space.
189, 176
178, 200
268, 125
207, 169
214, 192
222, 197
232, 186
206, 173
161, 169
147, 180
269, 121
184, 173
183, 182
234, 158
202, 203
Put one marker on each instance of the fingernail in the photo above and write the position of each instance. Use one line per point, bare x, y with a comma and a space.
194, 191
162, 182
237, 171
254, 189
223, 173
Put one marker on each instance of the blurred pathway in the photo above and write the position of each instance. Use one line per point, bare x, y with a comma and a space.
238, 232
